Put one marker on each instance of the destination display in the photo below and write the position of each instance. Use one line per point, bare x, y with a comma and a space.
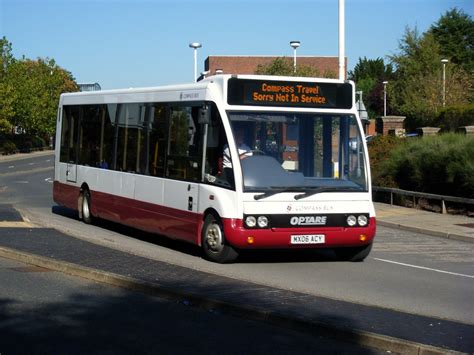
289, 93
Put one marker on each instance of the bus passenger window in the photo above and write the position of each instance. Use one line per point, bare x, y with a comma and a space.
183, 158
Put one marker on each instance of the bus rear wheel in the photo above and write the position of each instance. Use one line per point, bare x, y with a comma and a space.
85, 207
213, 241
354, 254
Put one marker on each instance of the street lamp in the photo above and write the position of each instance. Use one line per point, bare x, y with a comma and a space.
444, 61
195, 46
294, 44
385, 98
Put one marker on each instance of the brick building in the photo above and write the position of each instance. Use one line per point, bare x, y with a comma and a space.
249, 64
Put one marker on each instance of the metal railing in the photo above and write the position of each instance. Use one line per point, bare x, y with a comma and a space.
423, 195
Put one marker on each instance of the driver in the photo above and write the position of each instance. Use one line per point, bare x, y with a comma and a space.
243, 149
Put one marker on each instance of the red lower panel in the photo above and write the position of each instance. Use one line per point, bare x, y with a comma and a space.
142, 215
238, 236
187, 226
66, 195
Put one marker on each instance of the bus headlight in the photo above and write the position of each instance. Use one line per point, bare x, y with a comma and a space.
351, 221
362, 220
262, 222
251, 221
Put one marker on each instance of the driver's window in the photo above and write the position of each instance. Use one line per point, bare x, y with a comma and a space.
216, 144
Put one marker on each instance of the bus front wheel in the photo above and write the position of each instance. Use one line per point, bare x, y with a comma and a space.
213, 241
85, 207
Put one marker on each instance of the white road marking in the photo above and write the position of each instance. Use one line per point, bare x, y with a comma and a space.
425, 268
31, 163
47, 161
21, 182
11, 167
50, 180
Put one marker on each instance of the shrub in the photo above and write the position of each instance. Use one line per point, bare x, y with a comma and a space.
439, 164
451, 118
380, 149
38, 142
8, 147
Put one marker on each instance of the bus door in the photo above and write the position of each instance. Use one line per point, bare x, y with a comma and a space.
183, 170
70, 136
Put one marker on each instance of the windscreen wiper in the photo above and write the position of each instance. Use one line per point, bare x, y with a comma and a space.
277, 190
317, 190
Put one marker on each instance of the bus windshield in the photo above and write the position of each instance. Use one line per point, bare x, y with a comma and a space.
299, 152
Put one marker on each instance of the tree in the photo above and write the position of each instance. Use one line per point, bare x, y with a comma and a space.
370, 68
37, 85
416, 91
6, 91
284, 66
454, 32
6, 56
29, 92
368, 74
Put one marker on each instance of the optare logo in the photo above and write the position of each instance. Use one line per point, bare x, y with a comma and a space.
308, 220
289, 208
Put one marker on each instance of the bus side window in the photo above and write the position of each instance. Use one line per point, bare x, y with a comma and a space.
90, 132
157, 139
183, 160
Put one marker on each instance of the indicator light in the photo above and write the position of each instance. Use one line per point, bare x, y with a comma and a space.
250, 240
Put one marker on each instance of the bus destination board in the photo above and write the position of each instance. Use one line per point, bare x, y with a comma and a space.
289, 93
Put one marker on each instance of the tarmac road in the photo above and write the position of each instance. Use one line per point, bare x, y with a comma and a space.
47, 312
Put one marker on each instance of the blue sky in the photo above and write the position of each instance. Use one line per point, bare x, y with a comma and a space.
126, 43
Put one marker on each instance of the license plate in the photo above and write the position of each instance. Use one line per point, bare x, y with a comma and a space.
307, 239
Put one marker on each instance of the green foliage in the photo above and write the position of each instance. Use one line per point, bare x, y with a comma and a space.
454, 32
417, 89
453, 117
8, 147
6, 56
380, 149
21, 143
284, 67
370, 69
438, 164
368, 75
29, 92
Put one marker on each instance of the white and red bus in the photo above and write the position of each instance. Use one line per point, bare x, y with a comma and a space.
170, 160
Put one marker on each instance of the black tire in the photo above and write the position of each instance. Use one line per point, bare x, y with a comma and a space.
355, 254
213, 242
85, 207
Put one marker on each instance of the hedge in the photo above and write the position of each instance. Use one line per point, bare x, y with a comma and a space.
441, 165
451, 118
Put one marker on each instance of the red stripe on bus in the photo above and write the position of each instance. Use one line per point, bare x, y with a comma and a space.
279, 238
187, 225
146, 216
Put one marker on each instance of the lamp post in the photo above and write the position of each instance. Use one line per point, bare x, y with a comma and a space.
294, 44
195, 46
385, 98
444, 61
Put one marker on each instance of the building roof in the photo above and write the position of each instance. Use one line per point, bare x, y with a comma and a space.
248, 64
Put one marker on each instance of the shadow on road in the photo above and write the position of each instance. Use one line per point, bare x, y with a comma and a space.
99, 320
247, 256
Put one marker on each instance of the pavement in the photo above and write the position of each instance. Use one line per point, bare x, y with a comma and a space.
362, 324
435, 224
